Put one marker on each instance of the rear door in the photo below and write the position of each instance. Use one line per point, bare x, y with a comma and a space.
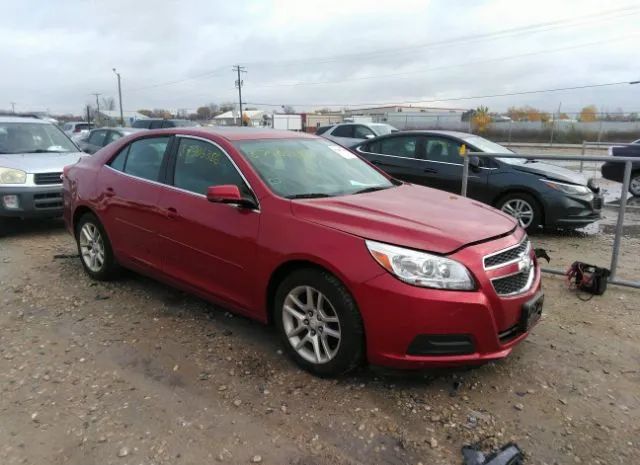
342, 134
131, 192
209, 246
401, 156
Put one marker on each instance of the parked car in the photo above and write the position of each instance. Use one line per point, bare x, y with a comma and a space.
348, 134
98, 138
615, 171
536, 194
74, 128
155, 123
349, 264
32, 155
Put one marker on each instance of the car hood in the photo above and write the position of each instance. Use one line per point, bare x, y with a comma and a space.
410, 216
552, 172
40, 162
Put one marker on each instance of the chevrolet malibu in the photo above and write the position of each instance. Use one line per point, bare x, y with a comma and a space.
350, 265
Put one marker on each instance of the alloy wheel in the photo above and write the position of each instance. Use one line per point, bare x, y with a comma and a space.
634, 186
311, 324
521, 210
92, 247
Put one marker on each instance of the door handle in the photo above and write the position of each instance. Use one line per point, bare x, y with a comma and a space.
110, 192
172, 213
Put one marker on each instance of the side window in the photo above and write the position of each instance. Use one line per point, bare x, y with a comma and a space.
156, 124
404, 146
443, 150
118, 162
67, 127
372, 147
141, 123
112, 137
361, 132
200, 164
346, 130
97, 138
145, 156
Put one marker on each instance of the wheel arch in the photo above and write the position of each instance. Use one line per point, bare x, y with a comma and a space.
78, 213
284, 269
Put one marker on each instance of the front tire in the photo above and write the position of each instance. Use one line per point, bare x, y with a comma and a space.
95, 249
634, 185
319, 323
524, 208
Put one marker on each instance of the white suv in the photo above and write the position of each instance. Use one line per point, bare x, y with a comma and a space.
33, 153
350, 134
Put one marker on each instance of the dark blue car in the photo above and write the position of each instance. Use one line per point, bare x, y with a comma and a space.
615, 171
537, 194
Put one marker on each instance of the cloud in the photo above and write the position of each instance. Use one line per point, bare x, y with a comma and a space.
55, 54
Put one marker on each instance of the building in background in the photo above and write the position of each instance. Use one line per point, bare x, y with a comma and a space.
255, 118
112, 117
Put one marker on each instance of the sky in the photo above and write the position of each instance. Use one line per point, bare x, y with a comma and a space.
179, 54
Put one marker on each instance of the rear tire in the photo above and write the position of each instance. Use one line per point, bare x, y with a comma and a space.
524, 208
634, 185
319, 323
94, 248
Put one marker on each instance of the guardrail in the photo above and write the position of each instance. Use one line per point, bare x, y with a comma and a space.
628, 162
595, 144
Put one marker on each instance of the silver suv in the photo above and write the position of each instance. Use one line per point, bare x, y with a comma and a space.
33, 153
350, 134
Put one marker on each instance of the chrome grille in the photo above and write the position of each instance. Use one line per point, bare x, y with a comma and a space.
47, 178
506, 256
514, 284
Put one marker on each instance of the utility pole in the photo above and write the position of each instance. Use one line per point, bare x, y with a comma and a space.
13, 107
119, 97
97, 94
239, 83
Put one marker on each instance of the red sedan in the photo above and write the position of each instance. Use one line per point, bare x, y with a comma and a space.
349, 264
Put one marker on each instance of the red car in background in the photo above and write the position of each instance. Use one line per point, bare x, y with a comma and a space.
349, 264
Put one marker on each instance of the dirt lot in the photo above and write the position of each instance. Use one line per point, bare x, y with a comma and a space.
132, 372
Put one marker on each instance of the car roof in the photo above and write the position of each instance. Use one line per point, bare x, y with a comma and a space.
235, 133
22, 119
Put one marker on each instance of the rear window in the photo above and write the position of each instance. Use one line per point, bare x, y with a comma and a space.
141, 123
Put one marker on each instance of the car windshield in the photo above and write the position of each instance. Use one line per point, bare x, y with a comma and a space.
382, 129
299, 168
485, 145
33, 138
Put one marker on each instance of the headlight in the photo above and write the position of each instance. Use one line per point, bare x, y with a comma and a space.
11, 176
573, 189
420, 268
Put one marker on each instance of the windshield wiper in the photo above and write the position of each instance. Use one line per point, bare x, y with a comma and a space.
371, 189
46, 151
309, 195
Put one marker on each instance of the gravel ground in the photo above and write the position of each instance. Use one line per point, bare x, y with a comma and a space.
133, 372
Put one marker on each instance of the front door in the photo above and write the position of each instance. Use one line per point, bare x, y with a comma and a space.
401, 156
443, 168
210, 246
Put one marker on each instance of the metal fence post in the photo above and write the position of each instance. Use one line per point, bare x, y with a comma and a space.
584, 149
619, 225
465, 175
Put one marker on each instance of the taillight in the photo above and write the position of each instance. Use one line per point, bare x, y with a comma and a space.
76, 129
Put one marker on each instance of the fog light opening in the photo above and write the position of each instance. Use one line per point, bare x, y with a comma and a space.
10, 202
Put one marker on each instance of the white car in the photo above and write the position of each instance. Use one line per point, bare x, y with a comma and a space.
350, 134
77, 128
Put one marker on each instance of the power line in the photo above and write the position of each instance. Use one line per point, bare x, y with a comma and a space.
435, 68
452, 99
533, 28
521, 30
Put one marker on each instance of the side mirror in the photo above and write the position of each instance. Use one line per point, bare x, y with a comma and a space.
229, 193
369, 136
